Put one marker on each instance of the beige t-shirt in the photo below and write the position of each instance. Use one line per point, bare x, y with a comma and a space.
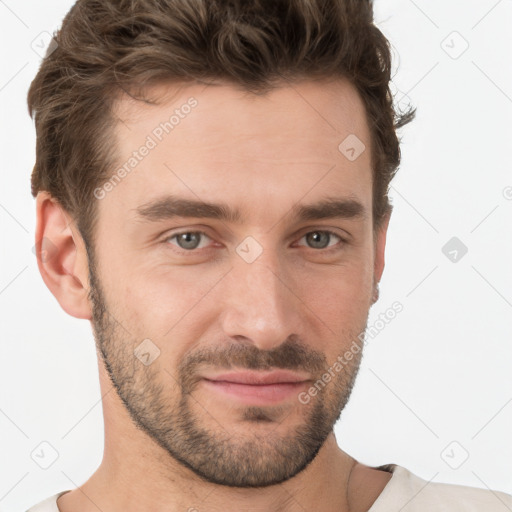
405, 492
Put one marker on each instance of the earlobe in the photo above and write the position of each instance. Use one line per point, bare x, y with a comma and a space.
61, 257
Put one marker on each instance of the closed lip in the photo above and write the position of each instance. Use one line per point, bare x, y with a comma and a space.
259, 377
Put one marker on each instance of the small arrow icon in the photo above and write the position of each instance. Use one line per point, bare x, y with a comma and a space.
43, 44
351, 147
146, 352
249, 249
454, 45
44, 455
454, 455
454, 249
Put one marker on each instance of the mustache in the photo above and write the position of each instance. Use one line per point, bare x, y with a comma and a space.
290, 355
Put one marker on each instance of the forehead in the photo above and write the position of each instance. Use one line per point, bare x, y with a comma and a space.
219, 141
329, 107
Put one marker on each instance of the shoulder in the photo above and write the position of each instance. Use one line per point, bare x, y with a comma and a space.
47, 505
408, 492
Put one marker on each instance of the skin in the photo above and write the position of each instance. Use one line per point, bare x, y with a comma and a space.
171, 443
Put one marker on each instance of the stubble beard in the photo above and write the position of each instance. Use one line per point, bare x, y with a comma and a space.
191, 435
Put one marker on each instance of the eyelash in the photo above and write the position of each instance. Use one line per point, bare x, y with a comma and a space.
327, 249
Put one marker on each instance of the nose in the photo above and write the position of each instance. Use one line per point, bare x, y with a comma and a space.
260, 303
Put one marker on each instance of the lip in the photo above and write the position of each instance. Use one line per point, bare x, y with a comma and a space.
259, 377
257, 388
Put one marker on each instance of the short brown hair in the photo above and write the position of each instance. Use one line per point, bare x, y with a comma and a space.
108, 46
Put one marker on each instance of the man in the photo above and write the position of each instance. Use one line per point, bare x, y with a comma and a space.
211, 183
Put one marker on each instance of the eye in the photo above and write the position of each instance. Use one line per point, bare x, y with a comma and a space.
188, 240
320, 239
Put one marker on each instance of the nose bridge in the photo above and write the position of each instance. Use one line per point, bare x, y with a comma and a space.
258, 303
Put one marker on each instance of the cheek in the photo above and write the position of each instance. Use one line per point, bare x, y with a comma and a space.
341, 302
343, 289
159, 301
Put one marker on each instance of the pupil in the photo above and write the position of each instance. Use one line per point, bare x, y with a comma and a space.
188, 240
316, 236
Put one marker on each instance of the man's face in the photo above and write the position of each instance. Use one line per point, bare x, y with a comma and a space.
181, 299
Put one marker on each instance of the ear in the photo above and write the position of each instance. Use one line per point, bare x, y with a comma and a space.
379, 258
61, 257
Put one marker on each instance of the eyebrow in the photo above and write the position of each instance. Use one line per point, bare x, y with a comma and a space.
169, 207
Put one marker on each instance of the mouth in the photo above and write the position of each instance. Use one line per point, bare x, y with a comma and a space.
258, 388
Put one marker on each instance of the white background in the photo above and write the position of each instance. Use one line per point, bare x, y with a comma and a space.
437, 376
